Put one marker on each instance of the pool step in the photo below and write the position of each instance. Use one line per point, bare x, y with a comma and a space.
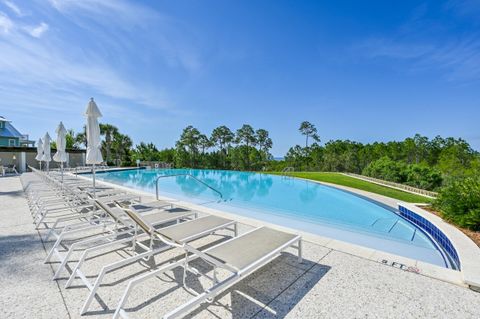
403, 230
384, 224
396, 227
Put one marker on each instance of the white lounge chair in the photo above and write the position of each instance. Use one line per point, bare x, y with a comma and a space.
240, 256
183, 232
117, 228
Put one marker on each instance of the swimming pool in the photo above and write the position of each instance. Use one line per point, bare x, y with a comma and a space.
290, 202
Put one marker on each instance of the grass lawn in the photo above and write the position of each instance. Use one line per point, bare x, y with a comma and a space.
340, 179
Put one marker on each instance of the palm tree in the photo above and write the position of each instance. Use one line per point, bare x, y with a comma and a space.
121, 145
81, 138
108, 131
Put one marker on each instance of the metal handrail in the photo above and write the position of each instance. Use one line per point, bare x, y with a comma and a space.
188, 175
287, 170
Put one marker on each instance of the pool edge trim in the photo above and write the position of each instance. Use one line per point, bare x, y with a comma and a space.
468, 252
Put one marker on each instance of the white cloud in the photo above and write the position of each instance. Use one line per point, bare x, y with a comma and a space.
464, 7
175, 40
5, 23
12, 6
97, 51
119, 12
39, 64
458, 60
39, 30
61, 66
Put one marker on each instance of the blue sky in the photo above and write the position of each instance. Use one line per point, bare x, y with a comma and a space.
359, 70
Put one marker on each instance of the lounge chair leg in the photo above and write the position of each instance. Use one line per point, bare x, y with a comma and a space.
52, 251
63, 263
93, 292
50, 231
86, 253
76, 268
119, 311
300, 259
37, 224
111, 267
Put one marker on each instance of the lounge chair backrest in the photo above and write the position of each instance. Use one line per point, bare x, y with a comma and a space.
136, 218
145, 226
109, 211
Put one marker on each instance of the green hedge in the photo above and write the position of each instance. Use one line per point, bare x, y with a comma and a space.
459, 202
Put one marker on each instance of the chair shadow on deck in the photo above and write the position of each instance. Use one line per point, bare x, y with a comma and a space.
14, 249
18, 193
272, 291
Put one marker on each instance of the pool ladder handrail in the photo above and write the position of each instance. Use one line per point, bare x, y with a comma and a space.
287, 170
187, 175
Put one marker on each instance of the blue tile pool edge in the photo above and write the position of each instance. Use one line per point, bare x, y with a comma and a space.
434, 233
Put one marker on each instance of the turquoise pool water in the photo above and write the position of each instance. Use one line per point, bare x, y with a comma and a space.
290, 202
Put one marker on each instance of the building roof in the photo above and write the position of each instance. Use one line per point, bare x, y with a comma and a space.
2, 119
8, 130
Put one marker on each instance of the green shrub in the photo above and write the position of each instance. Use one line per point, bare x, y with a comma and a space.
459, 202
386, 169
423, 176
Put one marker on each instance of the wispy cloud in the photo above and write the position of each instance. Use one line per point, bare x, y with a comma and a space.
39, 30
12, 6
128, 56
5, 23
173, 38
58, 65
458, 60
464, 7
428, 46
135, 13
42, 63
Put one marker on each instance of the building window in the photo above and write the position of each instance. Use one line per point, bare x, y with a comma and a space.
11, 143
1, 124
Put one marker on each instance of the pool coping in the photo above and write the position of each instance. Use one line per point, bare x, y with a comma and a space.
468, 252
401, 262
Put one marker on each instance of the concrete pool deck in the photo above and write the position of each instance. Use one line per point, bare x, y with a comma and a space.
330, 282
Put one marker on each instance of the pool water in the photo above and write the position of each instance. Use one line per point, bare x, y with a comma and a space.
290, 202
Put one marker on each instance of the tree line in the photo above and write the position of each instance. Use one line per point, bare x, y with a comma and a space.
417, 161
244, 149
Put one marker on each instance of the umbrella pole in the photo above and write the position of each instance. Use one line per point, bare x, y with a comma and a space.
94, 191
40, 165
61, 167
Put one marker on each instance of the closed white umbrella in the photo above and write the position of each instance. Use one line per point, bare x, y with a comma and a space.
39, 152
46, 150
94, 154
61, 155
